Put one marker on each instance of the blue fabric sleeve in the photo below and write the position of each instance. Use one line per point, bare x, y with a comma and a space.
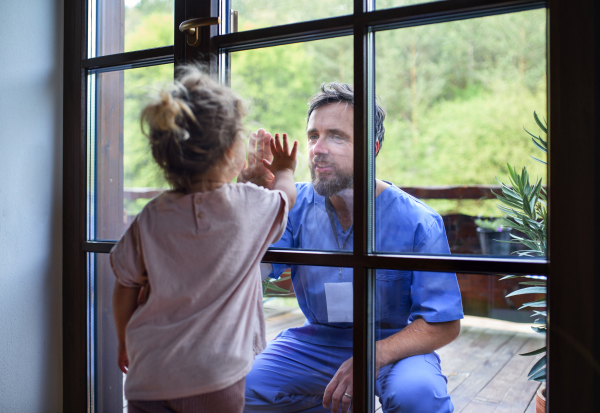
435, 295
286, 241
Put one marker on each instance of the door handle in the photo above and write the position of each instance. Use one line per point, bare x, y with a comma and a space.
191, 28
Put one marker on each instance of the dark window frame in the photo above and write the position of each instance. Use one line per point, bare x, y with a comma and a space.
572, 95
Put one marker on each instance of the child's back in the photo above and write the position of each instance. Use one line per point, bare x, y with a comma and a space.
197, 250
203, 321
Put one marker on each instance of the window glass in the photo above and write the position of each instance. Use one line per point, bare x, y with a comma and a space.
309, 336
277, 82
123, 176
484, 367
388, 4
460, 99
124, 26
258, 14
106, 378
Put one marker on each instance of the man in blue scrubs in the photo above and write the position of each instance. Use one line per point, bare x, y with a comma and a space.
309, 369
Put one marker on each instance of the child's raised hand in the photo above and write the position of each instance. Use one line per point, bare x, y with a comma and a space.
282, 157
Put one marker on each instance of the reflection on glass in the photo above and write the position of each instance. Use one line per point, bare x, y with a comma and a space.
124, 26
257, 14
483, 364
458, 96
310, 344
278, 95
388, 4
277, 83
108, 379
126, 176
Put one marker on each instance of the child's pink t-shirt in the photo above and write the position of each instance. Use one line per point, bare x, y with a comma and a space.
203, 321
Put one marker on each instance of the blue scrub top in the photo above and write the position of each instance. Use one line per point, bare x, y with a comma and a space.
402, 224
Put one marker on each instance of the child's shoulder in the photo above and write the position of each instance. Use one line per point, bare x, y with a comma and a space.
161, 202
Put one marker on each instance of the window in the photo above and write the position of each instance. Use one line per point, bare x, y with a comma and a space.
92, 199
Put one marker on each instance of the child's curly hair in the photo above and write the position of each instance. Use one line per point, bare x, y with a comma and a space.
192, 125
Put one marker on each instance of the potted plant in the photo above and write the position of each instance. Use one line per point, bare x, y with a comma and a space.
525, 206
490, 230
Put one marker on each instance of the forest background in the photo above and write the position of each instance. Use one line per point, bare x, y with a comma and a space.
457, 95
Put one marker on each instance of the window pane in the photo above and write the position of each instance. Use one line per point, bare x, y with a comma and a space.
277, 82
257, 14
484, 368
458, 97
106, 379
311, 342
388, 4
123, 176
119, 26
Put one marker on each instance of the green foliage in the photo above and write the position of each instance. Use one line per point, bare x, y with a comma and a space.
453, 92
149, 24
490, 224
277, 82
526, 207
271, 290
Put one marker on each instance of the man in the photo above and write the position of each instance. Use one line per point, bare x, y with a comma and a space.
309, 369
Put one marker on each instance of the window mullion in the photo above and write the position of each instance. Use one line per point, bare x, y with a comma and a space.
364, 281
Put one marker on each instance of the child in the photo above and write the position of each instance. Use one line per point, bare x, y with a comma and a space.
197, 249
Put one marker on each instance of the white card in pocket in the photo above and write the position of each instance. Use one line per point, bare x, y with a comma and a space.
339, 302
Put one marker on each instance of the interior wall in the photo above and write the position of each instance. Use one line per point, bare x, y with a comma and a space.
31, 56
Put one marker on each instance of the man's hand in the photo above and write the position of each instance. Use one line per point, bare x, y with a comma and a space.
339, 391
259, 148
419, 337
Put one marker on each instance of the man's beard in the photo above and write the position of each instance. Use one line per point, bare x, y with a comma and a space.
333, 183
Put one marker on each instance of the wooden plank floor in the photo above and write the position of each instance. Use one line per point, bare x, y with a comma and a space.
484, 370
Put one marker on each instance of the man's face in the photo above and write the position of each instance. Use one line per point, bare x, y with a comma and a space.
330, 133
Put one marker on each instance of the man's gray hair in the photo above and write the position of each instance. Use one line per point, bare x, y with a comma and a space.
336, 92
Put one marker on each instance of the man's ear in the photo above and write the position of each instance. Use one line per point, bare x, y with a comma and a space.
376, 148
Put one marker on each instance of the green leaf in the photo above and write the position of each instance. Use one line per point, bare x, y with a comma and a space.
528, 290
508, 277
539, 330
540, 374
535, 312
537, 366
537, 282
539, 160
540, 321
534, 304
537, 120
274, 287
534, 352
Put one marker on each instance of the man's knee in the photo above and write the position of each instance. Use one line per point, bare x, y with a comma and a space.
420, 388
417, 396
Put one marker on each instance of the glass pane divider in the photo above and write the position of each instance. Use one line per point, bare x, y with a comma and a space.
140, 58
462, 264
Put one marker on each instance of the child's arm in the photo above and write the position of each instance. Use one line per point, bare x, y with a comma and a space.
283, 167
125, 301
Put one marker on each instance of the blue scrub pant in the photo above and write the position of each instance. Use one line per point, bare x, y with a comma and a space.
291, 376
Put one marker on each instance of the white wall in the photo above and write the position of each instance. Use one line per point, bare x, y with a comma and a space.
31, 55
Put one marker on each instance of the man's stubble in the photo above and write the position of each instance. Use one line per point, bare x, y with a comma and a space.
332, 184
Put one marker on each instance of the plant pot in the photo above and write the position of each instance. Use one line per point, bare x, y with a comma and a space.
489, 240
540, 399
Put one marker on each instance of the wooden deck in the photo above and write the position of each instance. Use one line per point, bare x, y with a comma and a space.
485, 372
